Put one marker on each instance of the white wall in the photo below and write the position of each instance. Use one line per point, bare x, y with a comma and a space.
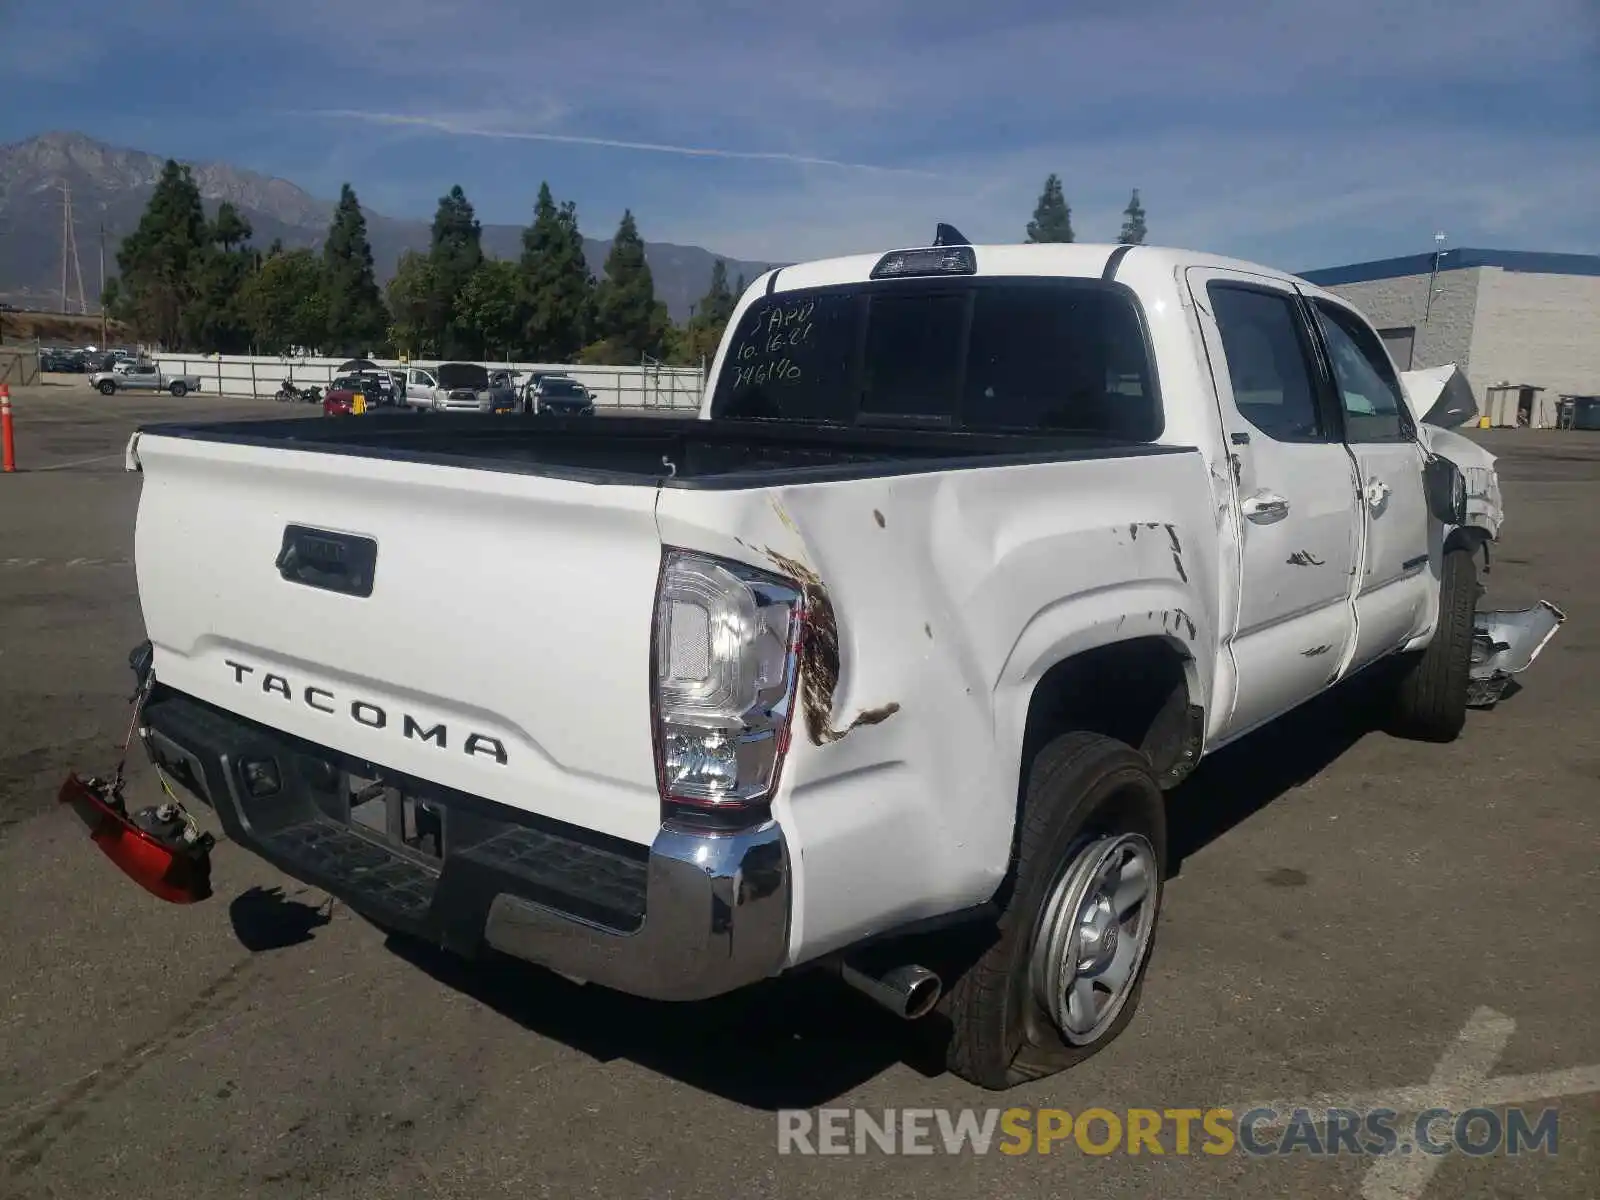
1542, 330
262, 375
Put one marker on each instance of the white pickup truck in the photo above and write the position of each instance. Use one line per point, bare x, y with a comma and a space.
882, 664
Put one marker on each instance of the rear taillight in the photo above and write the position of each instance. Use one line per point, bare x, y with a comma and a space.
726, 650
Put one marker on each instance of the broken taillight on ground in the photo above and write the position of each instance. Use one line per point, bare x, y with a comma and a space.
159, 847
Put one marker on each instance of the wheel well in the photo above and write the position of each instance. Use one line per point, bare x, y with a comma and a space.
1466, 537
1135, 691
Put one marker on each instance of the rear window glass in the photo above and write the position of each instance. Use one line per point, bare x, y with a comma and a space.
980, 354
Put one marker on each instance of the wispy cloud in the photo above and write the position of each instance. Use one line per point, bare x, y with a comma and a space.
1290, 133
460, 129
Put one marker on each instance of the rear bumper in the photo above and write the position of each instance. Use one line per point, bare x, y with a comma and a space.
692, 916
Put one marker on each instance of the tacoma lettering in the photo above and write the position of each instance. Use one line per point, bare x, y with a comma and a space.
368, 714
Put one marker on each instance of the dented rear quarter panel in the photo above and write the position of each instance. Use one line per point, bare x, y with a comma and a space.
952, 593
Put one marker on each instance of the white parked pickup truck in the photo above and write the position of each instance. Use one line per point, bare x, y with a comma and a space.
882, 663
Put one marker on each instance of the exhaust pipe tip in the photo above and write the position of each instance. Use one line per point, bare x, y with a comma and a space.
909, 991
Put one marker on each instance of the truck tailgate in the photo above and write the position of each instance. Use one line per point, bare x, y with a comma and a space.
503, 650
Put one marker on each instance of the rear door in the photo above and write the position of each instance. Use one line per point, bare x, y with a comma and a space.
141, 375
1395, 596
1295, 494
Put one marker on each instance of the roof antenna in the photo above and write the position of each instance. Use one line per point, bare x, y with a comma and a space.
949, 235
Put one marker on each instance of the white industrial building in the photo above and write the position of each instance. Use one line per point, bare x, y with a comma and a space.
1523, 327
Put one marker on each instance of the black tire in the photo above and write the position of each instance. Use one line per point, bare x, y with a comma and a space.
107, 387
1430, 696
1081, 788
179, 390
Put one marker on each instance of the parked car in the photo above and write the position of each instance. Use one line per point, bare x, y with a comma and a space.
143, 377
59, 361
457, 387
882, 664
340, 398
379, 388
557, 395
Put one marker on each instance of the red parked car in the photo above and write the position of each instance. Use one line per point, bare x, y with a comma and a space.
340, 399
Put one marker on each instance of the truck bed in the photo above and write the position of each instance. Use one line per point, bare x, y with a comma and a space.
650, 451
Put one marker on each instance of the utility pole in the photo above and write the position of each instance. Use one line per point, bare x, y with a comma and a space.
1433, 276
69, 251
104, 336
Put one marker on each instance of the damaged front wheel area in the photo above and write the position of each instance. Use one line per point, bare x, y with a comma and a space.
1430, 695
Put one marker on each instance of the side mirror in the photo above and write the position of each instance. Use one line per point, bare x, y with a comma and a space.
1446, 490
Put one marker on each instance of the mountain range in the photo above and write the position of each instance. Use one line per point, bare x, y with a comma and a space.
110, 186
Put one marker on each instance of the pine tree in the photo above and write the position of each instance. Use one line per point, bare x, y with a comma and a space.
491, 307
1052, 219
158, 261
699, 339
557, 289
412, 300
717, 304
1133, 227
357, 321
626, 314
455, 253
216, 318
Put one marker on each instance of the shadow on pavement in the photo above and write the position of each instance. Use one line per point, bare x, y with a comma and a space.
266, 919
802, 1041
1238, 781
796, 1042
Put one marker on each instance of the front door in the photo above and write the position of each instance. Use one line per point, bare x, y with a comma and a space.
419, 390
1295, 496
1395, 599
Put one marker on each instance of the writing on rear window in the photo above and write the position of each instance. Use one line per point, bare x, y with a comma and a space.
769, 351
991, 354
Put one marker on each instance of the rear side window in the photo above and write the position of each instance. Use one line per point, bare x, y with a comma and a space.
1269, 365
995, 354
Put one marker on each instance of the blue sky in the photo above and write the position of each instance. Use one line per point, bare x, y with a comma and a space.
1298, 134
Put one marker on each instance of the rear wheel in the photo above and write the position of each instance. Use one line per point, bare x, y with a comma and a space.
179, 389
1430, 696
1063, 977
107, 387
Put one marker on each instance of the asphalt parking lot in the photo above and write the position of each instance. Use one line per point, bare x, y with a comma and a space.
1345, 909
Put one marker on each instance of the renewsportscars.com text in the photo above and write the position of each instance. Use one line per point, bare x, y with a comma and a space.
1258, 1132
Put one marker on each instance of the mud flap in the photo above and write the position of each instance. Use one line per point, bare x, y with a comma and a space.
1505, 643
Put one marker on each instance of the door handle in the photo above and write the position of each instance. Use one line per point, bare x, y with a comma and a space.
1264, 508
1377, 492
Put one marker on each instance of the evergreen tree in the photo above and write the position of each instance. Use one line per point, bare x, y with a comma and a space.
717, 304
216, 319
699, 339
626, 315
455, 253
557, 289
285, 302
1052, 219
1133, 227
357, 322
413, 301
491, 307
158, 261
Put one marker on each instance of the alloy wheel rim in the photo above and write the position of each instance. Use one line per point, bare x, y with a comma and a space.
1095, 935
